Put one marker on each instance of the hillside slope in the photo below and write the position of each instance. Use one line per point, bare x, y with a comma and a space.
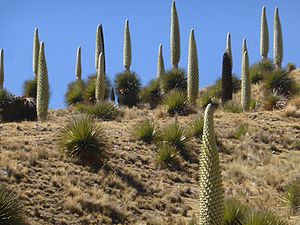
131, 188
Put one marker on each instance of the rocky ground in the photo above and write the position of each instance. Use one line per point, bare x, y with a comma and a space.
131, 188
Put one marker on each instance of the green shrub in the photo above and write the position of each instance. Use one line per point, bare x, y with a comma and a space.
176, 136
152, 94
176, 103
274, 101
281, 82
233, 107
146, 131
11, 209
102, 110
127, 86
263, 217
206, 98
30, 88
196, 127
174, 79
240, 131
75, 92
5, 97
261, 70
89, 93
291, 198
83, 140
290, 67
167, 155
234, 212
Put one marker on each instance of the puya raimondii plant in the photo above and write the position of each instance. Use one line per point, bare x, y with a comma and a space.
42, 101
211, 191
278, 45
246, 81
264, 35
193, 71
226, 78
175, 37
78, 69
1, 69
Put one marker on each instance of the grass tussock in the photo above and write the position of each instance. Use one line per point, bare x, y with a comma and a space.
146, 131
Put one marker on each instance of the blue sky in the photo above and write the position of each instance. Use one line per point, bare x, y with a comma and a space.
64, 25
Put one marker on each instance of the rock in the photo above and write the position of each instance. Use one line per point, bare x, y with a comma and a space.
19, 109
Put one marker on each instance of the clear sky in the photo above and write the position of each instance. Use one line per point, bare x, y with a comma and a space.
65, 24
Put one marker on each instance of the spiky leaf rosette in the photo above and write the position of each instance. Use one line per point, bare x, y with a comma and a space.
100, 80
278, 46
11, 209
160, 63
226, 78
246, 83
1, 68
36, 49
99, 46
175, 37
78, 70
127, 86
228, 48
264, 35
42, 101
127, 47
211, 192
193, 71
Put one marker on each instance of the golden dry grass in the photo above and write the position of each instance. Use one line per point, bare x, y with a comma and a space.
130, 188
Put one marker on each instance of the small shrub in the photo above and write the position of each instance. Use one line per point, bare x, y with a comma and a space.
152, 94
207, 98
75, 92
11, 209
196, 127
274, 101
146, 131
5, 97
281, 82
290, 67
174, 79
291, 198
30, 88
240, 131
167, 155
103, 110
83, 140
291, 111
261, 70
234, 212
176, 136
263, 217
233, 107
176, 103
89, 92
128, 86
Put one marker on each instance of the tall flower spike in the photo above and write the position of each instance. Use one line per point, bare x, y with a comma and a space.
264, 35
228, 48
246, 83
278, 46
211, 191
127, 47
1, 68
193, 71
99, 45
244, 46
175, 37
100, 80
36, 49
160, 63
78, 64
42, 100
226, 78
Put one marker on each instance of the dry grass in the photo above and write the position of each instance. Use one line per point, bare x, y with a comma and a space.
130, 188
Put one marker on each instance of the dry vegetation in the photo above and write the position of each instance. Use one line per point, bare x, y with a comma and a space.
131, 188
